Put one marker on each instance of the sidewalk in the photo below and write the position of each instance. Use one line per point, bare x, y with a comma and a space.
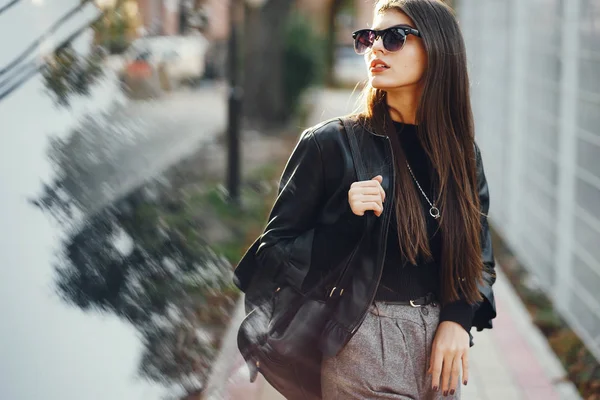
513, 360
138, 140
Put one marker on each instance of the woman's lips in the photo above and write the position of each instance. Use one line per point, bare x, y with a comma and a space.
378, 69
376, 66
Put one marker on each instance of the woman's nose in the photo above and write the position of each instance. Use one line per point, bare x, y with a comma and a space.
378, 44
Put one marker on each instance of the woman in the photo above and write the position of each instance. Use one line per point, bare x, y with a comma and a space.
422, 276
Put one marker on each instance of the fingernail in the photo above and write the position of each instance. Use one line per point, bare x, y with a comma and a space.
451, 391
445, 393
465, 383
435, 388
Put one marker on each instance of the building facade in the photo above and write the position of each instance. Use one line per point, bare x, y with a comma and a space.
160, 17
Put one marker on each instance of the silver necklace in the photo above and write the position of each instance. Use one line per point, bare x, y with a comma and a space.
433, 211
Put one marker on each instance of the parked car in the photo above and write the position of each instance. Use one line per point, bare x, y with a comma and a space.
182, 57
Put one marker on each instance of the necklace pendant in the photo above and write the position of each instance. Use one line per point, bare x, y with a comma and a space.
435, 212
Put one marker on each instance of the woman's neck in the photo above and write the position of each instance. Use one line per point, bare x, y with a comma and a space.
403, 105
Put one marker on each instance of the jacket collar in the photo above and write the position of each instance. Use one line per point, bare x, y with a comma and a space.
367, 129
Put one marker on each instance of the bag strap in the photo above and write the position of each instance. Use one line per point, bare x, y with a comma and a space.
369, 216
359, 165
361, 175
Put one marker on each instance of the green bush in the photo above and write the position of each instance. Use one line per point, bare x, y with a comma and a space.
303, 58
114, 31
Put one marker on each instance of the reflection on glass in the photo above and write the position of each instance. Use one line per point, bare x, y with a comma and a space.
142, 256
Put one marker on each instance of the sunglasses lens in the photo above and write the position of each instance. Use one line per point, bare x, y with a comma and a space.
394, 39
363, 41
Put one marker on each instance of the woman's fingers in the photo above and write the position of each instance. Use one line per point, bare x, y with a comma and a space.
373, 203
455, 375
375, 206
367, 198
450, 374
435, 369
371, 183
465, 367
360, 207
370, 187
368, 191
379, 180
446, 370
367, 195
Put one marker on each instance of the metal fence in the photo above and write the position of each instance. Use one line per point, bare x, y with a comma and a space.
535, 73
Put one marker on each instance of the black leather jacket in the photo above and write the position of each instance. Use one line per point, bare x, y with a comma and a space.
312, 229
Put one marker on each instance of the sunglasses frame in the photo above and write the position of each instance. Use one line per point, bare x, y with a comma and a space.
381, 32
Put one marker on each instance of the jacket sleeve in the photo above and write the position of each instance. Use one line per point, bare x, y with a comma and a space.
485, 310
285, 247
459, 311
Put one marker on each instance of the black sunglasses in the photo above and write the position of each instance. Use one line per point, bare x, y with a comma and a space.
393, 38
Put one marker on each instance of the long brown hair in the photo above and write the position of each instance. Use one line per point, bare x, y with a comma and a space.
445, 129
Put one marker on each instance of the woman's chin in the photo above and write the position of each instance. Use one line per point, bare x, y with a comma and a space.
378, 82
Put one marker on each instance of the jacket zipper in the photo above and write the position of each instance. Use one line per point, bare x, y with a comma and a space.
386, 223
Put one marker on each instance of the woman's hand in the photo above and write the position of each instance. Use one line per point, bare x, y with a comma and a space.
367, 195
449, 350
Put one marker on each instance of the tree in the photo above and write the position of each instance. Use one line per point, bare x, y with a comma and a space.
264, 93
330, 42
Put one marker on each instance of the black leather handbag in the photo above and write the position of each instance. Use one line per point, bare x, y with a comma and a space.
279, 336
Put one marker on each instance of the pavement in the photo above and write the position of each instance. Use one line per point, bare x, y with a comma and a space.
512, 361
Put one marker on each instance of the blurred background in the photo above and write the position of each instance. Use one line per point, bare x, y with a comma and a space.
141, 146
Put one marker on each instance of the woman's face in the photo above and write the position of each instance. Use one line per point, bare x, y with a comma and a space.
406, 66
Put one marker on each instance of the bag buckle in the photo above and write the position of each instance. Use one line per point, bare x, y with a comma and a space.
427, 299
333, 291
412, 303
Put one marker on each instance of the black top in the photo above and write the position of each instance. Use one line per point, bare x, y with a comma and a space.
400, 279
